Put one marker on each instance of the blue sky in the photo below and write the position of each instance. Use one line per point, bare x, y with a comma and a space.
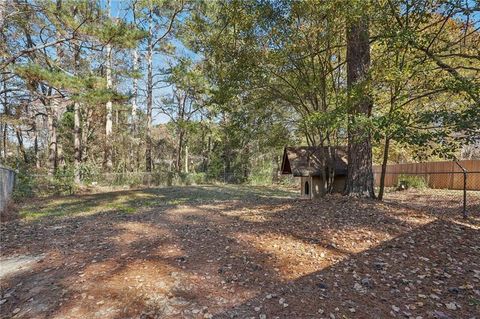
119, 9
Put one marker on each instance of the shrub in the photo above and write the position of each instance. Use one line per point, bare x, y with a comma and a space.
199, 178
261, 174
184, 179
410, 181
25, 184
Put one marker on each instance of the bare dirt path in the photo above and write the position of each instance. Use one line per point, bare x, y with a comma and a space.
238, 252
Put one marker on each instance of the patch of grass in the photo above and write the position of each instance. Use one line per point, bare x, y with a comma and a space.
474, 302
86, 205
130, 202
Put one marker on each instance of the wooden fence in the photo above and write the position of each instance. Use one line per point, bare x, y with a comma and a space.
439, 175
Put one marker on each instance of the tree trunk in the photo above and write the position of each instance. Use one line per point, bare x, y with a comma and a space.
360, 174
77, 141
384, 168
246, 162
178, 163
35, 143
186, 159
5, 125
206, 157
21, 147
108, 120
148, 141
324, 167
135, 92
77, 137
52, 137
60, 156
86, 117
4, 140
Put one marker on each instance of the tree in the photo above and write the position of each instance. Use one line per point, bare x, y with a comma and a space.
189, 92
160, 20
426, 105
360, 174
108, 116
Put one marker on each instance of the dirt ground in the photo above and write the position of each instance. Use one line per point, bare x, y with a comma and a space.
240, 252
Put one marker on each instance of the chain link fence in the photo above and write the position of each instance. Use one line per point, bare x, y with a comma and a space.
439, 187
63, 181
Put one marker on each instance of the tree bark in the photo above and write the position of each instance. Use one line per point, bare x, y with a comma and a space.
135, 92
108, 119
4, 141
186, 159
5, 125
77, 137
52, 136
148, 141
384, 168
86, 117
21, 147
178, 163
35, 143
360, 174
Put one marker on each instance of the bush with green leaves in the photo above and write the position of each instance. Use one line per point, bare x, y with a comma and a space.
25, 184
411, 181
199, 178
261, 174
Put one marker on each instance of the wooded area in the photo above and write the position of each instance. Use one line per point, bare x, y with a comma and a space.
156, 144
217, 89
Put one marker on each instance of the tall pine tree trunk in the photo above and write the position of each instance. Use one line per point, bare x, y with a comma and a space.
52, 136
134, 92
35, 142
5, 125
84, 132
148, 142
360, 174
108, 120
186, 159
178, 163
77, 138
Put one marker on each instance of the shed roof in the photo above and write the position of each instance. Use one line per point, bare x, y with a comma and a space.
307, 160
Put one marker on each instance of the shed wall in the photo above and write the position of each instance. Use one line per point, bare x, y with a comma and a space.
315, 186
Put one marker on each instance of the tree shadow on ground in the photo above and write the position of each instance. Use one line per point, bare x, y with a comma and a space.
440, 202
416, 274
194, 254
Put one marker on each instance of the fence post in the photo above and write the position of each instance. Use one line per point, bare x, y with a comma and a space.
464, 212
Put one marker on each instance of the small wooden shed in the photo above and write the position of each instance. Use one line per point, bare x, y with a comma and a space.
306, 162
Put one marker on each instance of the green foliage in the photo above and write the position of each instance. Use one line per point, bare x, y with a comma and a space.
199, 178
25, 184
266, 74
261, 174
91, 89
411, 181
63, 182
28, 184
118, 33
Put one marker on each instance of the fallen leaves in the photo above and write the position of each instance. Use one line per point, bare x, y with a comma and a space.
259, 257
